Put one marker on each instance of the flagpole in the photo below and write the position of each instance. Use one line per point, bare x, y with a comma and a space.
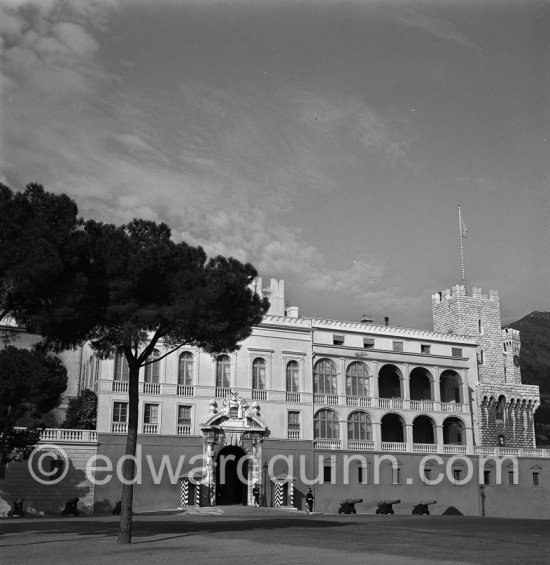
461, 238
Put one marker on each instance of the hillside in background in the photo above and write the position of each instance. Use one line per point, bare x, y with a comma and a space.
535, 366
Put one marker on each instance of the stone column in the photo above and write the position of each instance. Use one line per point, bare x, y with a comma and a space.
468, 432
465, 389
341, 383
405, 386
374, 384
343, 434
408, 428
210, 478
439, 437
436, 390
377, 434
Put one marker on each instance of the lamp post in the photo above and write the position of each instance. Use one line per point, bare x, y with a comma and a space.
482, 495
264, 485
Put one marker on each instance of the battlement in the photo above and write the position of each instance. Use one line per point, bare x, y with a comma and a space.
510, 334
275, 293
459, 291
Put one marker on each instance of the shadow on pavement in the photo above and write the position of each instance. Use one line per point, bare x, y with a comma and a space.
57, 531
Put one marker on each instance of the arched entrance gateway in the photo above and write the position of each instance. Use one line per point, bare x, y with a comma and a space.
231, 476
232, 451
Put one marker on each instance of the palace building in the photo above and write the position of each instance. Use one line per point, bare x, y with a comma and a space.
360, 410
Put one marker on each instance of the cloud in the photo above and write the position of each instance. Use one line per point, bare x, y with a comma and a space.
436, 27
222, 167
348, 117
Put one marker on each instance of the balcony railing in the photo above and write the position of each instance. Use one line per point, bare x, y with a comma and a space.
424, 448
150, 428
330, 399
390, 402
222, 392
454, 448
358, 401
517, 451
151, 388
295, 397
393, 446
422, 405
259, 394
452, 407
62, 435
186, 390
293, 434
120, 386
119, 427
331, 444
361, 445
184, 430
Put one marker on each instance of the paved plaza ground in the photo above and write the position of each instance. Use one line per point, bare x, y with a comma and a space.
237, 535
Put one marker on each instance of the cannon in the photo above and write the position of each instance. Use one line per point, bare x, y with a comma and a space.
348, 506
386, 506
16, 509
421, 508
118, 508
71, 507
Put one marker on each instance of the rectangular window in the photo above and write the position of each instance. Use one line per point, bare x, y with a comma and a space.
120, 412
457, 474
184, 415
368, 342
293, 424
338, 340
327, 475
486, 477
122, 369
535, 479
425, 349
151, 414
361, 474
397, 346
511, 478
480, 358
456, 352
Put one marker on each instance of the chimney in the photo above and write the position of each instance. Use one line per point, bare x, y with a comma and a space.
366, 319
292, 312
386, 321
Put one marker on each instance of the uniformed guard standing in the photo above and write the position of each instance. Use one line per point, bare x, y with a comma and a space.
256, 495
309, 501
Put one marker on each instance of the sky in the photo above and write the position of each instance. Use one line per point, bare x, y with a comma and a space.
329, 143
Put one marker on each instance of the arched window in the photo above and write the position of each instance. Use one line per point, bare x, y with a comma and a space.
121, 368
292, 376
324, 377
185, 369
258, 374
500, 406
223, 372
152, 371
359, 427
357, 379
326, 425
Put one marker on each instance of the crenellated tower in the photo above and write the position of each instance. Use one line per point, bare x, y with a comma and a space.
504, 407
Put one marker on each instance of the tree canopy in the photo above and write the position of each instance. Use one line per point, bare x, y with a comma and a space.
71, 280
82, 411
31, 384
124, 288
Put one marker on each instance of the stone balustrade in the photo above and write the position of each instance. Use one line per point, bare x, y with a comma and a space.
61, 435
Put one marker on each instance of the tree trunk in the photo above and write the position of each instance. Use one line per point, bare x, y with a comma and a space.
129, 467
